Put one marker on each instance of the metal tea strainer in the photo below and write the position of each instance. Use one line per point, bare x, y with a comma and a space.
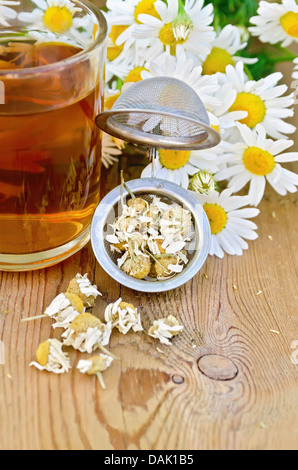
158, 113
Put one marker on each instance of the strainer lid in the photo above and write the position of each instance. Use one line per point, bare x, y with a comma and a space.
162, 113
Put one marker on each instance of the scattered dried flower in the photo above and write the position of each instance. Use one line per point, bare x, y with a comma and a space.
82, 287
64, 309
165, 329
87, 333
95, 366
123, 316
51, 358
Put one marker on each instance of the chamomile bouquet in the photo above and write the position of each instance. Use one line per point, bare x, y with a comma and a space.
227, 52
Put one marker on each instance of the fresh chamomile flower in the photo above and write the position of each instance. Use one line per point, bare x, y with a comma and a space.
262, 100
183, 68
229, 226
6, 12
226, 45
276, 22
124, 50
179, 166
123, 316
56, 16
222, 119
165, 329
41, 37
186, 26
256, 161
203, 182
110, 150
82, 287
87, 333
50, 357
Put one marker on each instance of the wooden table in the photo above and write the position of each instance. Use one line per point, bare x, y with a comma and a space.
227, 382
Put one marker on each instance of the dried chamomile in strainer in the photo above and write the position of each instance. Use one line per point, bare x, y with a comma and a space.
164, 329
51, 358
176, 223
82, 287
95, 366
123, 316
151, 237
87, 333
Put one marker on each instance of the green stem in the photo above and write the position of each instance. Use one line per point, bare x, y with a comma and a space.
100, 378
108, 353
123, 185
38, 317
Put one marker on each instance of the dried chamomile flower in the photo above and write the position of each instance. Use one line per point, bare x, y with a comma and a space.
64, 309
87, 333
165, 329
167, 267
155, 245
82, 287
137, 267
151, 238
138, 204
123, 316
127, 224
176, 223
95, 365
51, 358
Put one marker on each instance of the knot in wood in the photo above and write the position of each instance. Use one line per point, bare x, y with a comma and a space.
218, 367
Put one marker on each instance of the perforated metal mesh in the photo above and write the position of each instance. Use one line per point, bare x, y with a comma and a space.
160, 112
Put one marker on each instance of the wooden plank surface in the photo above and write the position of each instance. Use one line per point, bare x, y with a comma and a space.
243, 310
227, 382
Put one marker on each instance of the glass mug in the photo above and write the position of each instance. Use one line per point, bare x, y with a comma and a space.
52, 61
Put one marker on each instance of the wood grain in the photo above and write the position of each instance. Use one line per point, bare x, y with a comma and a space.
240, 312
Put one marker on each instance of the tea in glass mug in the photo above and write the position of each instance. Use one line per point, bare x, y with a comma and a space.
52, 77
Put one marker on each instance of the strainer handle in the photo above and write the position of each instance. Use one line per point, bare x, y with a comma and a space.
152, 156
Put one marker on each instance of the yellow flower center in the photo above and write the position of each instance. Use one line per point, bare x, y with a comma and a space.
216, 128
217, 217
111, 100
114, 51
135, 75
43, 352
217, 61
145, 7
289, 22
258, 161
253, 105
58, 19
167, 37
173, 159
